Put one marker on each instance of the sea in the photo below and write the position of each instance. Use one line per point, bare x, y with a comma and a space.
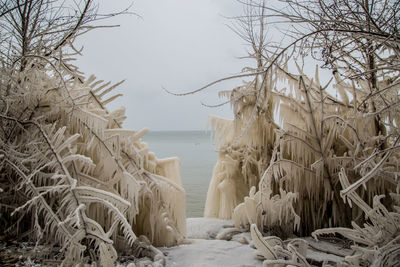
197, 155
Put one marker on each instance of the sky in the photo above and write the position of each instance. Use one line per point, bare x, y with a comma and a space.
180, 45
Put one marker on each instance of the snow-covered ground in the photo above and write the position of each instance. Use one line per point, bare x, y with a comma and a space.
203, 248
209, 253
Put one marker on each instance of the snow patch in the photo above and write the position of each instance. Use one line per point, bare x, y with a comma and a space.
211, 253
205, 228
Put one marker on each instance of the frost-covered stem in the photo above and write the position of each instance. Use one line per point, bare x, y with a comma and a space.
259, 49
23, 30
319, 140
370, 174
42, 200
370, 70
373, 156
74, 30
215, 82
121, 168
64, 84
68, 179
380, 91
321, 127
15, 125
347, 125
302, 141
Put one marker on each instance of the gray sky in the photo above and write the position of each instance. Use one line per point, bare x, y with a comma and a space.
179, 44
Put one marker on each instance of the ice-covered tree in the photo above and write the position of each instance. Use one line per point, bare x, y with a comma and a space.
71, 176
316, 154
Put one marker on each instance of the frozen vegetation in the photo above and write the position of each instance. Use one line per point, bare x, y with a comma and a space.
207, 245
71, 176
301, 157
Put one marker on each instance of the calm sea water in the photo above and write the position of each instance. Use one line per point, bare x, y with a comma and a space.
198, 157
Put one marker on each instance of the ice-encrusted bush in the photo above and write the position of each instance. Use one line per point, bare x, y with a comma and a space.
71, 175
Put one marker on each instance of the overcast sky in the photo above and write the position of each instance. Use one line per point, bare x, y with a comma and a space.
177, 44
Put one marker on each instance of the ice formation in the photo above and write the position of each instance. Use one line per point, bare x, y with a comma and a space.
89, 179
291, 168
